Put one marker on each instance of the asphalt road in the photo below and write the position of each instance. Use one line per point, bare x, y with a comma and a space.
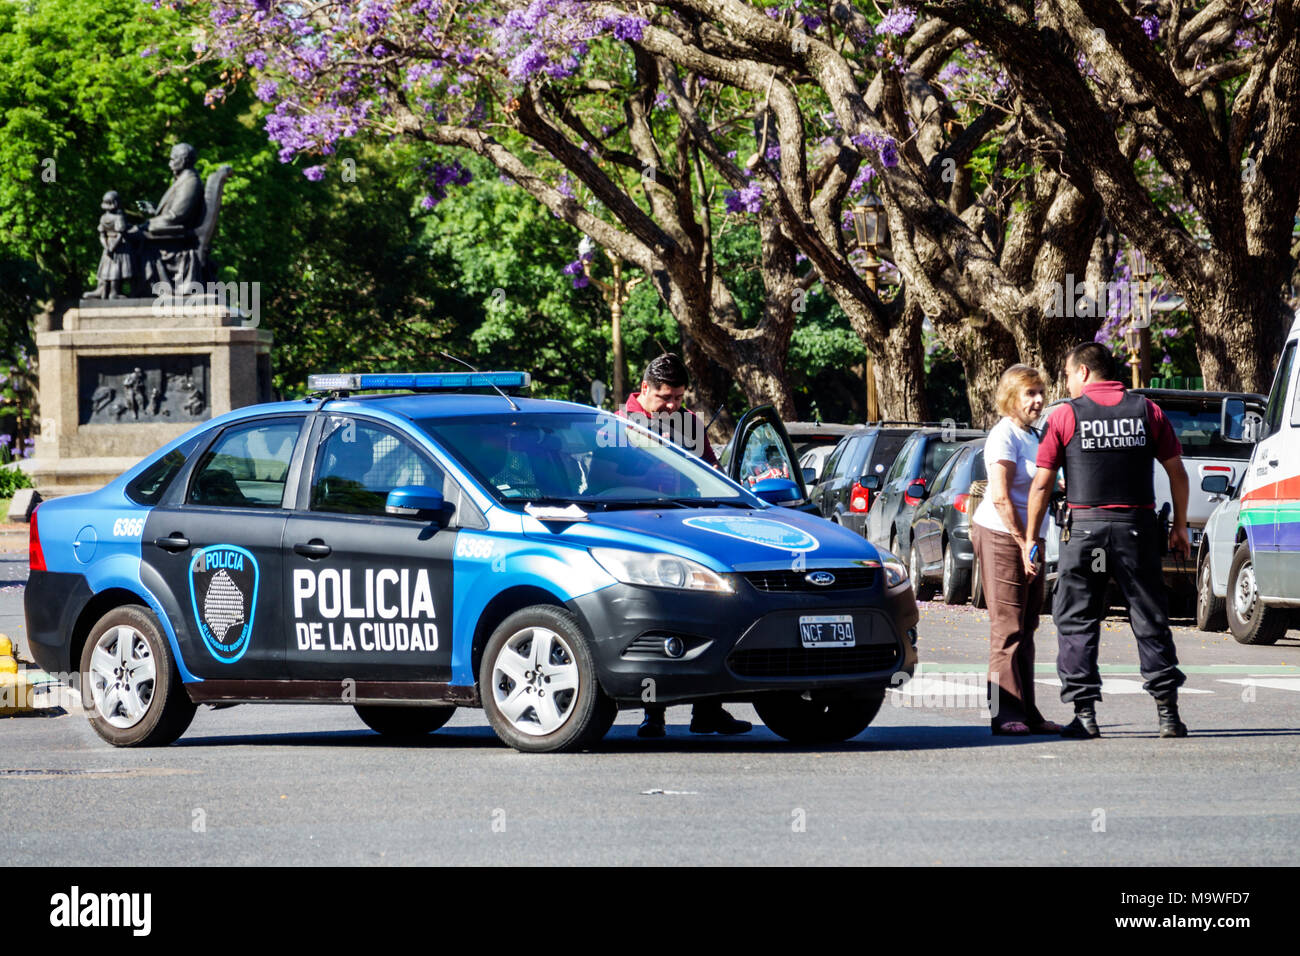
925, 784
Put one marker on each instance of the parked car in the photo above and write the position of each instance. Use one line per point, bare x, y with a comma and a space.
941, 553
855, 471
926, 451
813, 443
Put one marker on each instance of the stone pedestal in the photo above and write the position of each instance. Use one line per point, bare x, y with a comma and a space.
119, 380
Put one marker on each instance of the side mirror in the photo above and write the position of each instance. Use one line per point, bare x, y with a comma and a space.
810, 476
1238, 424
1216, 484
871, 482
917, 490
415, 501
777, 491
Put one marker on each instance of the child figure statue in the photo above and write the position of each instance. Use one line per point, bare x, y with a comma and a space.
116, 267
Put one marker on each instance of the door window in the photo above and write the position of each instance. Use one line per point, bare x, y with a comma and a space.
1277, 399
246, 466
900, 463
764, 456
359, 463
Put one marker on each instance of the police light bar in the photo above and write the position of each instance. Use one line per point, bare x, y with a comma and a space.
418, 381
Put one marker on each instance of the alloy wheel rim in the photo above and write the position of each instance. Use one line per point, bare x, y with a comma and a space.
535, 681
123, 675
947, 570
1246, 592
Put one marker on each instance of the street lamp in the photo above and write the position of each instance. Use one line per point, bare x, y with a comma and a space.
870, 226
616, 292
1140, 343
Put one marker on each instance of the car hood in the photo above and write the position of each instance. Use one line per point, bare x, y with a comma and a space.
722, 539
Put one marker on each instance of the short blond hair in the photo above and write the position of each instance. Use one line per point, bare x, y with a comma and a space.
1013, 381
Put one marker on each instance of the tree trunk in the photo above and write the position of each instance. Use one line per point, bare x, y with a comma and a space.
708, 389
1239, 335
900, 369
986, 349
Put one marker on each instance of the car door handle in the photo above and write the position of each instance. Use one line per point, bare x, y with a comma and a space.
1272, 463
315, 548
173, 542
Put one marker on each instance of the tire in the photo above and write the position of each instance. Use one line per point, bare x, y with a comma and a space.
956, 581
977, 583
920, 587
403, 722
1211, 612
1248, 619
514, 689
801, 721
130, 686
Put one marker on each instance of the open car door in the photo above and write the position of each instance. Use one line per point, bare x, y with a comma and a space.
761, 457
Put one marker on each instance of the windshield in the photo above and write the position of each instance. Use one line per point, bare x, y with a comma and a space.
1198, 433
589, 457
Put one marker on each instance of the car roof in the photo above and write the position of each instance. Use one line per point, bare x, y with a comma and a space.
417, 405
1191, 396
814, 429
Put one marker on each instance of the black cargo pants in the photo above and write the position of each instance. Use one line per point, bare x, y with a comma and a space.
1124, 545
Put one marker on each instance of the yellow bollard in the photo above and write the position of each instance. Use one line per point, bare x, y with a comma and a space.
15, 688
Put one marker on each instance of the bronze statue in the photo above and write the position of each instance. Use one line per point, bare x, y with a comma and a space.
169, 248
117, 264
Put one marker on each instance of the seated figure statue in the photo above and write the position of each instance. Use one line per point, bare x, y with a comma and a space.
169, 248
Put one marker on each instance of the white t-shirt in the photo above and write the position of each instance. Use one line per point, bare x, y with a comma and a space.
1007, 441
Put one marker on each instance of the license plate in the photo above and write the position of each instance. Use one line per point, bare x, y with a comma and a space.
826, 630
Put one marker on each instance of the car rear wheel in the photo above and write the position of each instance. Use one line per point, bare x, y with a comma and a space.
1248, 619
399, 722
977, 583
1211, 612
923, 590
538, 683
802, 721
956, 581
130, 686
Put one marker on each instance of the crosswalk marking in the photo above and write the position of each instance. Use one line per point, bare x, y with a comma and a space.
1275, 683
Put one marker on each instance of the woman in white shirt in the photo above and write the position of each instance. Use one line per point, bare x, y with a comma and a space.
1013, 589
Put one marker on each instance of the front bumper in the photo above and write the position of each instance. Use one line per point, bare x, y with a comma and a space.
741, 645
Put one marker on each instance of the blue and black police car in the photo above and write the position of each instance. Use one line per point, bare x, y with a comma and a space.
456, 545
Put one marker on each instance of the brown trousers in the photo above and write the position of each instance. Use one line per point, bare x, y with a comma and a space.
1013, 603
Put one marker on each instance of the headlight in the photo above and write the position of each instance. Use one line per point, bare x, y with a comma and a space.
659, 570
895, 570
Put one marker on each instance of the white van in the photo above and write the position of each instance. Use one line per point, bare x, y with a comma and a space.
1264, 577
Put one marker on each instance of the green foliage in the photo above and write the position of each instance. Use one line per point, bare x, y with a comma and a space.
11, 480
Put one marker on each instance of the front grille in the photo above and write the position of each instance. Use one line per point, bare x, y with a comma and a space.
813, 662
846, 579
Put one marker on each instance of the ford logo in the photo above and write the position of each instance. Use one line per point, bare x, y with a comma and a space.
820, 578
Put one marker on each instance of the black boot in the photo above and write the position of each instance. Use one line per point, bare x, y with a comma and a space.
1170, 724
1084, 725
652, 727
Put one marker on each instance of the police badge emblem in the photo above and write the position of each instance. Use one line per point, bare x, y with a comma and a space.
223, 593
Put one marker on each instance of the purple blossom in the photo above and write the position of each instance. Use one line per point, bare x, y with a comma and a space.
898, 22
1151, 26
266, 90
747, 199
574, 268
565, 186
773, 153
256, 59
374, 17
314, 173
148, 51
810, 22
428, 202
661, 100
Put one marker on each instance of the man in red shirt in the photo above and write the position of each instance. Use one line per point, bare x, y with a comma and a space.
1107, 439
658, 406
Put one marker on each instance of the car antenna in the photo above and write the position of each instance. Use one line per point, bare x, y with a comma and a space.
513, 406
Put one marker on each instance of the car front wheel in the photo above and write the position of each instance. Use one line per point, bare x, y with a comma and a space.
129, 682
538, 683
801, 721
1211, 614
1248, 619
923, 590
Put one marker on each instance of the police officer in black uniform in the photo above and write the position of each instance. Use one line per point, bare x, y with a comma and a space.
1108, 439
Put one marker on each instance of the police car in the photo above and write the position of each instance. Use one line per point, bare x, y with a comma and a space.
406, 554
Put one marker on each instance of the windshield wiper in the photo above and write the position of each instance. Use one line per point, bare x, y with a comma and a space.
713, 503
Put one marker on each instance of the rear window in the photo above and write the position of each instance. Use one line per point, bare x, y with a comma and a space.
148, 487
1198, 434
883, 454
937, 454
